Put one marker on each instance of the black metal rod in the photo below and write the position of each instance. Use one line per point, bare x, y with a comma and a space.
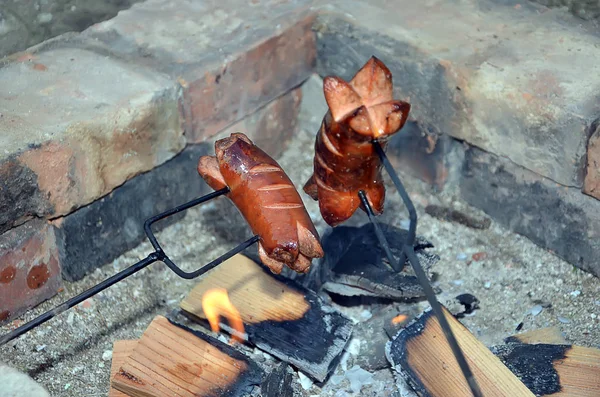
157, 255
439, 313
408, 250
396, 266
78, 299
173, 211
412, 212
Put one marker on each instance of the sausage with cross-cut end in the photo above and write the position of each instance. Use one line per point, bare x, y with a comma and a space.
267, 199
345, 160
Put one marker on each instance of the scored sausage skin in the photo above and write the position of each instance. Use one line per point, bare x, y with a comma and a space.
267, 199
345, 160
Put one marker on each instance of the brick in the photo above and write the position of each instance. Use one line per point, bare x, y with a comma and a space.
98, 233
272, 127
591, 183
555, 217
78, 127
507, 80
29, 268
231, 58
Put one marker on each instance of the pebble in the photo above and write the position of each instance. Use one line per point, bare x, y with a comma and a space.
70, 318
461, 257
457, 282
537, 309
365, 315
107, 355
563, 320
405, 224
305, 381
575, 293
487, 285
479, 256
39, 348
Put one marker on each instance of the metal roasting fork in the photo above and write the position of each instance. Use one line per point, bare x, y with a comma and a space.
158, 255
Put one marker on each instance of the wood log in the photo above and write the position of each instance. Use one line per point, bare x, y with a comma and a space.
280, 317
559, 370
420, 352
550, 335
172, 360
121, 350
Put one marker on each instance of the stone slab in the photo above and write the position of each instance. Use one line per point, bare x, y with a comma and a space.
500, 75
29, 268
231, 58
555, 217
74, 124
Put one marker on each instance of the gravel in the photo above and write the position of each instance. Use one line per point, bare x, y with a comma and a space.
510, 276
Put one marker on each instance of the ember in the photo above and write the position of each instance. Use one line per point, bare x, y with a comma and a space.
216, 303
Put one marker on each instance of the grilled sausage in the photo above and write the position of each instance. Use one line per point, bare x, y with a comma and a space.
267, 199
345, 160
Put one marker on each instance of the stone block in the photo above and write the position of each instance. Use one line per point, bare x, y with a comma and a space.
98, 233
555, 217
29, 268
499, 75
76, 124
231, 58
591, 184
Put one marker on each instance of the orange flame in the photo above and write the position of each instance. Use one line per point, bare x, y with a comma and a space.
400, 318
216, 303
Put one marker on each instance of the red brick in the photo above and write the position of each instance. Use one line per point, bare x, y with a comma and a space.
591, 184
29, 268
272, 126
70, 136
231, 57
515, 82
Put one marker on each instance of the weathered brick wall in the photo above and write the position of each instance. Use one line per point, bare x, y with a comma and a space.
102, 129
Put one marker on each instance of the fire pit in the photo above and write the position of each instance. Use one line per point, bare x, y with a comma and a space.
355, 324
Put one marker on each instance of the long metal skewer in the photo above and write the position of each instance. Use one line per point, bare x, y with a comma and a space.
157, 255
408, 251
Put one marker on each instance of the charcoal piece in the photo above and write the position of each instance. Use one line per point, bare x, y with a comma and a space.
533, 364
278, 383
469, 302
355, 264
280, 316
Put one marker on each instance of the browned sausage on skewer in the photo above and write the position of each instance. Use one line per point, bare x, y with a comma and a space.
267, 199
345, 160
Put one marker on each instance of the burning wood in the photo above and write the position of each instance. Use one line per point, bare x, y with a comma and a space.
170, 359
216, 303
279, 316
420, 353
548, 365
356, 265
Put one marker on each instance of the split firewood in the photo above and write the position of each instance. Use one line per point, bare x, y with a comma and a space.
356, 265
421, 354
172, 360
550, 335
549, 365
280, 317
278, 383
121, 350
